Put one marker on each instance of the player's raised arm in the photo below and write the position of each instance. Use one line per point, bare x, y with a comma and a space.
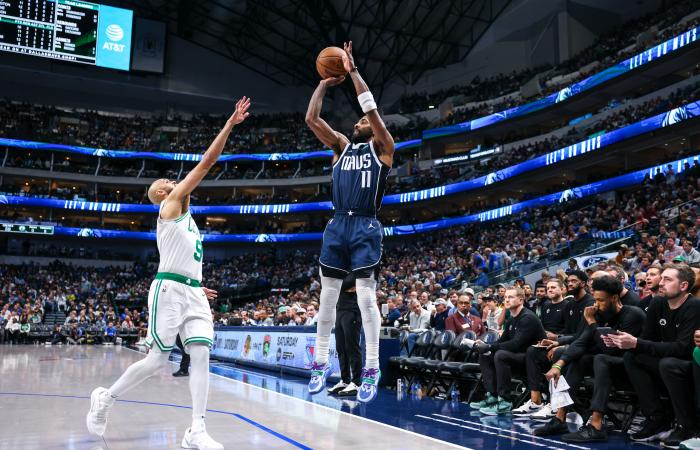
334, 140
196, 175
384, 142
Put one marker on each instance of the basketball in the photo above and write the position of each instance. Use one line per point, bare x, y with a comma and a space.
330, 62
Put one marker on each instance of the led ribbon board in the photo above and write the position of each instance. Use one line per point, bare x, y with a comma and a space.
640, 59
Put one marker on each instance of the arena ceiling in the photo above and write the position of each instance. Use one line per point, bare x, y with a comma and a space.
280, 39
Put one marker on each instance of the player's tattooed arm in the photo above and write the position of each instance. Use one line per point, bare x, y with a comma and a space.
334, 140
196, 175
383, 141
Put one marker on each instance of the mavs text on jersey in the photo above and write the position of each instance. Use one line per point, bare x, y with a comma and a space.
352, 239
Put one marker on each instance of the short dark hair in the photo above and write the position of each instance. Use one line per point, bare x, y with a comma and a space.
685, 273
608, 284
581, 275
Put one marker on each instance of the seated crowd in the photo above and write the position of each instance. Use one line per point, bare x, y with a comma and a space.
617, 45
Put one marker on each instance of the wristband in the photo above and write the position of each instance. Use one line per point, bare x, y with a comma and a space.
556, 366
366, 100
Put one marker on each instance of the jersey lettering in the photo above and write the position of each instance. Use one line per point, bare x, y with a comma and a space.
358, 180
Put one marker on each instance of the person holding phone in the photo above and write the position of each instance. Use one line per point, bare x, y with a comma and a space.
665, 345
588, 355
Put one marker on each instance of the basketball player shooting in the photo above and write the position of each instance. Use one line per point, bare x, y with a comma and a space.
176, 301
352, 240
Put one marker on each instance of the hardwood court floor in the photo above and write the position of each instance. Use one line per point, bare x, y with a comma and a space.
44, 396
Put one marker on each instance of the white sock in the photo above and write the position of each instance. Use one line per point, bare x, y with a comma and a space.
138, 372
199, 383
330, 291
371, 320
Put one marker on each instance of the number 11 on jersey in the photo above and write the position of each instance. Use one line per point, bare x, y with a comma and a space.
366, 178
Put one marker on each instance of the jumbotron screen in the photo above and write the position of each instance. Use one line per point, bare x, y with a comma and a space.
67, 30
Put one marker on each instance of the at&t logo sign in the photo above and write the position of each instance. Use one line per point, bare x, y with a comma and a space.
115, 34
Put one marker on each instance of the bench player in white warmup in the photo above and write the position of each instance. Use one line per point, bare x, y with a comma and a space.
176, 301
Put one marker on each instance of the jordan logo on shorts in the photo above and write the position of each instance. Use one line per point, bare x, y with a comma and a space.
371, 226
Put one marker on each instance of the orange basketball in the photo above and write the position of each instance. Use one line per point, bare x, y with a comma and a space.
330, 62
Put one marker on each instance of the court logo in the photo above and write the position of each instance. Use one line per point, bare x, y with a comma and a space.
114, 33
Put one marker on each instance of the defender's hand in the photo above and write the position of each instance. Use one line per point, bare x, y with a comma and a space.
210, 293
241, 113
349, 61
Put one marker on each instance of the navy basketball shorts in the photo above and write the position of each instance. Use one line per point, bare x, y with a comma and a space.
351, 243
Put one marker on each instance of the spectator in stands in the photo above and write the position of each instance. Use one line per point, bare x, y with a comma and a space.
667, 340
394, 313
127, 323
437, 319
12, 327
499, 359
462, 320
588, 355
57, 335
671, 250
629, 297
110, 334
311, 318
75, 335
690, 254
491, 313
418, 318
553, 310
576, 287
653, 279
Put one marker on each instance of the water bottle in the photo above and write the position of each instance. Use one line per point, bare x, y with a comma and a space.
399, 385
416, 388
454, 394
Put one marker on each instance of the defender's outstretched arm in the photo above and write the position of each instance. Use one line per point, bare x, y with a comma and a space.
196, 175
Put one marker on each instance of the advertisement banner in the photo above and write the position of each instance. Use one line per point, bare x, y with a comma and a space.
292, 349
584, 262
114, 38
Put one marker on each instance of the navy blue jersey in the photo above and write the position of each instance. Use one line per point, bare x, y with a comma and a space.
359, 180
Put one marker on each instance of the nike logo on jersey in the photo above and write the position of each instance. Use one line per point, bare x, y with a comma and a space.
356, 162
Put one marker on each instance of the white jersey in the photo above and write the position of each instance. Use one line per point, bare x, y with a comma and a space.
180, 246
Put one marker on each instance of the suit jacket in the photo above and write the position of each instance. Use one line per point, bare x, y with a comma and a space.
456, 320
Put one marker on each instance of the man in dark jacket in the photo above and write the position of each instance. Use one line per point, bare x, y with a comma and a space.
348, 325
588, 355
667, 341
497, 360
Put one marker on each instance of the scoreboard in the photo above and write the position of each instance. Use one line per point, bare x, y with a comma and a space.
25, 228
67, 30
